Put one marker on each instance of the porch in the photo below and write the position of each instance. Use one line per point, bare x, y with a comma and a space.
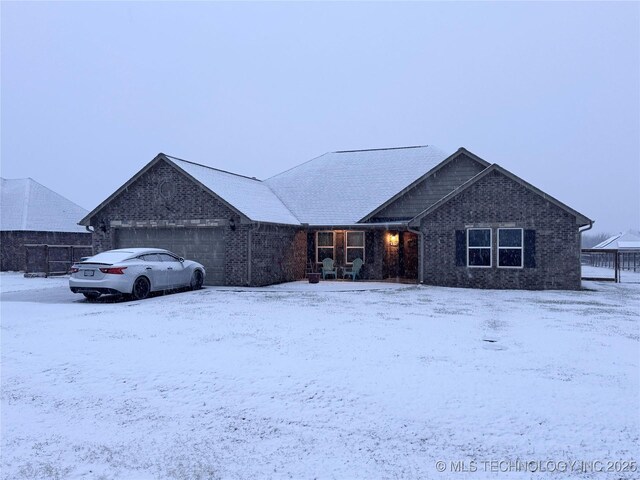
388, 254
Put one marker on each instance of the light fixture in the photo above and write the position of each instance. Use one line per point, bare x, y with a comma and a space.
232, 224
394, 239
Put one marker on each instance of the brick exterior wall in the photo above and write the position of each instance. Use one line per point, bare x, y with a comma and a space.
12, 256
278, 253
495, 201
142, 201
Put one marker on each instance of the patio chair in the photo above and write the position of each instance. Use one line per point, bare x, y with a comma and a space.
355, 269
328, 268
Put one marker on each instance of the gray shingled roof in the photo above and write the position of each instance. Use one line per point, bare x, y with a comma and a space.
28, 205
341, 188
248, 195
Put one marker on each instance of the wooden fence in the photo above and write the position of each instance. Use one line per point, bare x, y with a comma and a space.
53, 260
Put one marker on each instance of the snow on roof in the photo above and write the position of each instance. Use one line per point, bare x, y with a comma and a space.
634, 245
341, 188
627, 240
248, 195
27, 205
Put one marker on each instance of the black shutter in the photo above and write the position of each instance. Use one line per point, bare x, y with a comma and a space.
461, 248
529, 249
311, 246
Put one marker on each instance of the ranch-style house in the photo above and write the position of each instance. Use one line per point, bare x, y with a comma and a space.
412, 213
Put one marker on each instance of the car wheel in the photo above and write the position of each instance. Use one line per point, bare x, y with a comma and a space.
91, 295
141, 288
196, 280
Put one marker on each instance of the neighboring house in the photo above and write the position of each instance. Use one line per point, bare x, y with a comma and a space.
412, 212
33, 214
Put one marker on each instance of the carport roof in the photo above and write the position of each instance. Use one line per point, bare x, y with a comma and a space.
622, 241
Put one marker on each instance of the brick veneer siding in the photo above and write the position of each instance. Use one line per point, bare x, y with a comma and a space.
142, 201
495, 201
12, 256
278, 253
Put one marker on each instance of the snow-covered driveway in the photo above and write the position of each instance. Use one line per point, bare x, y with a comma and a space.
336, 380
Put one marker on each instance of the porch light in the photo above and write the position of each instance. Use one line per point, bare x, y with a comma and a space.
394, 239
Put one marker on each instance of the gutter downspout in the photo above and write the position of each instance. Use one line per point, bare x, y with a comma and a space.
420, 251
588, 228
87, 227
582, 231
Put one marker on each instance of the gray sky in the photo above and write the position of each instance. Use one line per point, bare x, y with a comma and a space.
551, 91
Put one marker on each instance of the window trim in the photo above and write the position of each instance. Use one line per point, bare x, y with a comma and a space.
333, 246
490, 247
347, 247
521, 247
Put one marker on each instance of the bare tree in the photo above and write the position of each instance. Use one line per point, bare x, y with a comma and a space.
590, 240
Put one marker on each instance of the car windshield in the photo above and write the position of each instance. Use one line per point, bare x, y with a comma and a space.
110, 257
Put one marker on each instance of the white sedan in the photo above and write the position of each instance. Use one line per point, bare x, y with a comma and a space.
134, 271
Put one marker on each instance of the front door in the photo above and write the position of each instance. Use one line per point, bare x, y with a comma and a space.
401, 255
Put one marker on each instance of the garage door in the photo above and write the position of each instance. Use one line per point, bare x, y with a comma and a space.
204, 245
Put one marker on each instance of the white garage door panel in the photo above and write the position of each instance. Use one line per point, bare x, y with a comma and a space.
204, 245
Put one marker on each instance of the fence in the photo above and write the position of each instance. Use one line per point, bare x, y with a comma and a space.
54, 259
601, 264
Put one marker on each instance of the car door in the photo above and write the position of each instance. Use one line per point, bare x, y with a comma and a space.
155, 269
175, 270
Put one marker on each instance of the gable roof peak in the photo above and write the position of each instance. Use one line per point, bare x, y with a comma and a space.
581, 219
247, 196
172, 158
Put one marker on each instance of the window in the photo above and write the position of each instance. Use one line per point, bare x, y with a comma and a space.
325, 246
165, 257
479, 247
354, 246
510, 246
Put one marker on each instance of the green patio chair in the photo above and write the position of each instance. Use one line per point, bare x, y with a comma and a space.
328, 268
355, 269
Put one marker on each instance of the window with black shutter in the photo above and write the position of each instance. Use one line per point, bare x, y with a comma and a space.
510, 246
479, 247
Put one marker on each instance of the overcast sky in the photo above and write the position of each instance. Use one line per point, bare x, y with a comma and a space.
91, 92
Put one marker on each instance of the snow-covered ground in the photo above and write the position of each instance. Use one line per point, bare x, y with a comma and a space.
626, 276
335, 380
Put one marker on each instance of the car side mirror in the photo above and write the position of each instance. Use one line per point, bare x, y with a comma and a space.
181, 260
